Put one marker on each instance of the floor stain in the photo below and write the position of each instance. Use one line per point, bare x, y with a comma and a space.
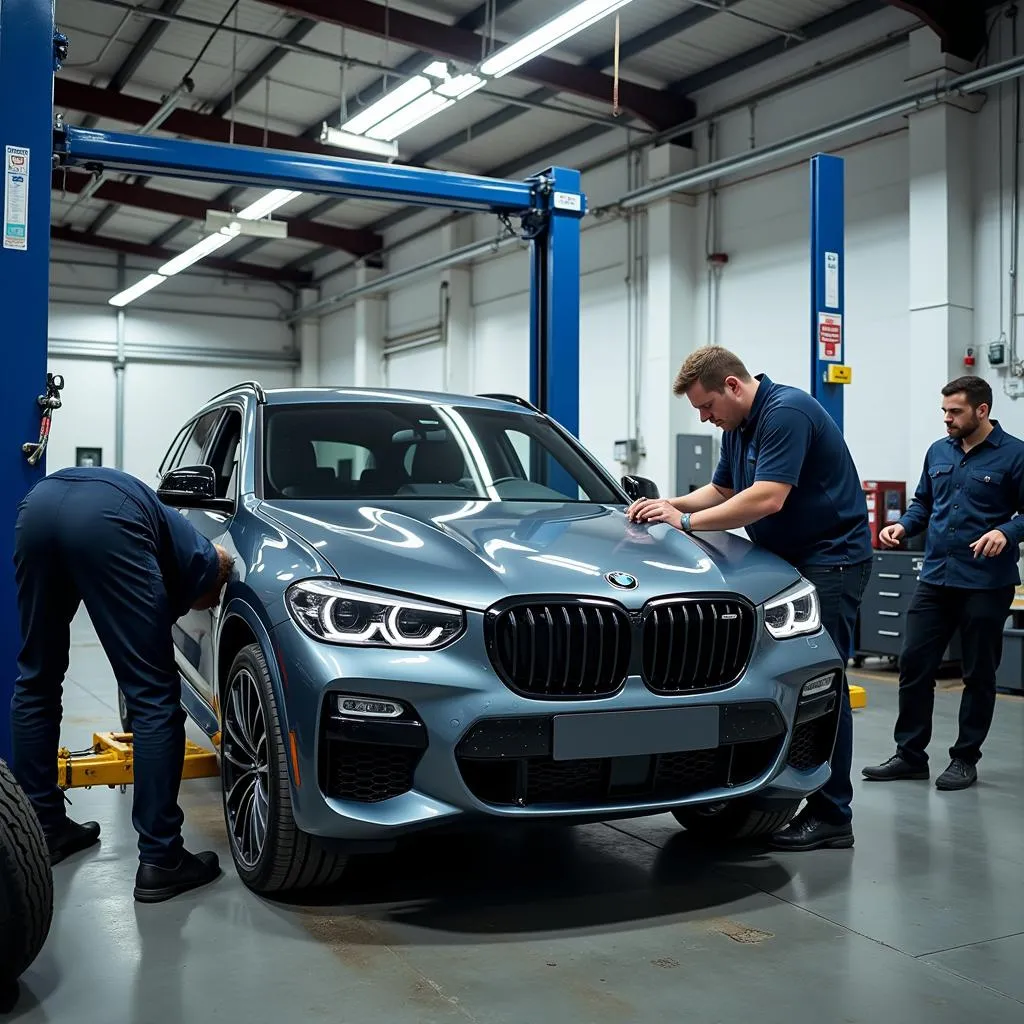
740, 932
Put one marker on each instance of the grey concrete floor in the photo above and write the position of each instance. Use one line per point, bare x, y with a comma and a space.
623, 923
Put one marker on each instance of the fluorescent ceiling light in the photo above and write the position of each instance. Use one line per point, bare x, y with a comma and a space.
137, 289
434, 89
409, 116
267, 204
202, 248
387, 105
360, 143
550, 34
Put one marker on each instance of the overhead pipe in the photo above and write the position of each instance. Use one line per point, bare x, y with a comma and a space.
973, 81
176, 355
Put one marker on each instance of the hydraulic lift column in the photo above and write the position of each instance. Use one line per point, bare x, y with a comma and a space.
27, 63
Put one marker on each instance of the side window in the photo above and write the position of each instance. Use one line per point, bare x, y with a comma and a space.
168, 459
225, 453
192, 453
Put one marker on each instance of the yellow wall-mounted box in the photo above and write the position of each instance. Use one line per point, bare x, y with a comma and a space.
839, 374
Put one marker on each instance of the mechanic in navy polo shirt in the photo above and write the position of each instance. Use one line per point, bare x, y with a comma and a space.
971, 489
787, 476
102, 538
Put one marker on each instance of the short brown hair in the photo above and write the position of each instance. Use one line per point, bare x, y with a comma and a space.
709, 366
977, 390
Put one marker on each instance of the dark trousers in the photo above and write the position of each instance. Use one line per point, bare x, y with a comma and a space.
86, 542
934, 615
840, 591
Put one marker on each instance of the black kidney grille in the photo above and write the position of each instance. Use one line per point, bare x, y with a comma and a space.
561, 649
696, 645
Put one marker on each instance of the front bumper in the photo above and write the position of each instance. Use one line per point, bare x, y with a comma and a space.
467, 747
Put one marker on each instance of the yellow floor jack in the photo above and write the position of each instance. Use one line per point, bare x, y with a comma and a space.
109, 762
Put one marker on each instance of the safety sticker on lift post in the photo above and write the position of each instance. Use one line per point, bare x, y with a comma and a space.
16, 198
830, 348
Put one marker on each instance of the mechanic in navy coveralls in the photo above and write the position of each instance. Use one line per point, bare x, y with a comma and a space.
787, 476
971, 489
103, 538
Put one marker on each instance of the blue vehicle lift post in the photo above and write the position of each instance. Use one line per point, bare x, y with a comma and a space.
829, 373
549, 205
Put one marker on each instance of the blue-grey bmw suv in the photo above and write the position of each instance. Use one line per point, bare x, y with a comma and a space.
440, 614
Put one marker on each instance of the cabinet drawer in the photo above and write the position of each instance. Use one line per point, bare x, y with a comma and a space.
884, 640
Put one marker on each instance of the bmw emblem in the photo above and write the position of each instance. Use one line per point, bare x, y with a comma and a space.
622, 580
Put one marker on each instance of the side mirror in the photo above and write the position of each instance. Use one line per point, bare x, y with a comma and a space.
192, 487
639, 487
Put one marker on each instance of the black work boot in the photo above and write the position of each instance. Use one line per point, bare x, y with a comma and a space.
894, 768
154, 884
807, 832
959, 775
71, 838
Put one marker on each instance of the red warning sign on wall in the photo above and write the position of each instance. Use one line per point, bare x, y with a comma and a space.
830, 337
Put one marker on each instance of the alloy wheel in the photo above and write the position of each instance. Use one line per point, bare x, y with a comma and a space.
246, 772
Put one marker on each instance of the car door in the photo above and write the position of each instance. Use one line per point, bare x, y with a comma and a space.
196, 631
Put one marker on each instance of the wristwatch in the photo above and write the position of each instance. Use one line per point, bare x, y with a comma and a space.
685, 523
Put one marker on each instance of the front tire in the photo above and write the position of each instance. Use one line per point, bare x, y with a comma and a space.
26, 883
270, 853
734, 819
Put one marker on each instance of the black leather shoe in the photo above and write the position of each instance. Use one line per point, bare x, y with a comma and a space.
894, 768
72, 838
806, 832
154, 884
959, 775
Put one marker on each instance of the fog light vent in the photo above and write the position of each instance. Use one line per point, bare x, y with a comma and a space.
368, 707
816, 686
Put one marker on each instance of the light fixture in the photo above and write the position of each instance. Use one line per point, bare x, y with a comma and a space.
434, 89
358, 143
137, 289
550, 34
204, 247
268, 204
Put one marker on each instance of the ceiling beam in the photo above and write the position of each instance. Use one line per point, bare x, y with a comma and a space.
352, 240
653, 106
959, 24
90, 99
276, 275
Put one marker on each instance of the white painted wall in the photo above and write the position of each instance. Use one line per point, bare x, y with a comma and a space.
193, 313
763, 299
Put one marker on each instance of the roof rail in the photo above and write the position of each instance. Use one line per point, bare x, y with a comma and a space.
261, 396
515, 399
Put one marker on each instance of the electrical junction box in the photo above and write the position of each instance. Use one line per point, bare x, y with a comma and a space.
626, 451
996, 353
836, 374
1014, 387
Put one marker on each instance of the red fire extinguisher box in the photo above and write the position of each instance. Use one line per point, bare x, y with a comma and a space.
887, 501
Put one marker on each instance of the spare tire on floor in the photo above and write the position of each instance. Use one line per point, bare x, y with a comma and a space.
26, 882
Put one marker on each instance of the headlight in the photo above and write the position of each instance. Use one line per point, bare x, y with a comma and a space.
343, 615
794, 612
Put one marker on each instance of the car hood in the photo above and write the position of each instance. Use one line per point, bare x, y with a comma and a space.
474, 553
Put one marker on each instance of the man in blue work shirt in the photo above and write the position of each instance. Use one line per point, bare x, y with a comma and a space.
787, 476
103, 538
970, 490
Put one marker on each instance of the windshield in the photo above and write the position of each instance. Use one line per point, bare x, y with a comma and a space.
410, 450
